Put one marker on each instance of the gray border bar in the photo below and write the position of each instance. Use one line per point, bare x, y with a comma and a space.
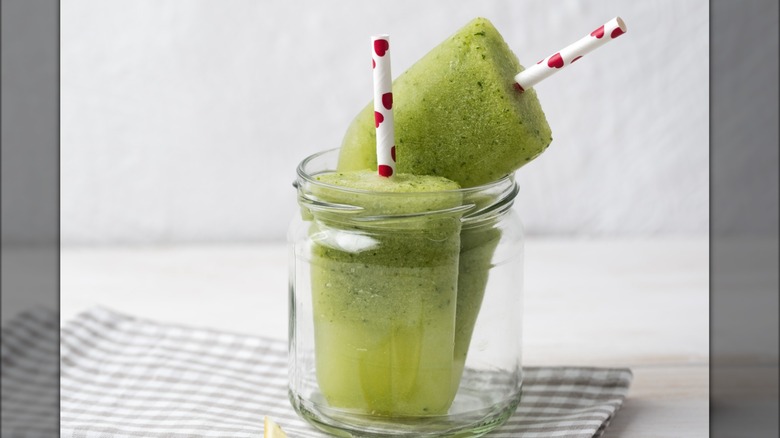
29, 169
744, 218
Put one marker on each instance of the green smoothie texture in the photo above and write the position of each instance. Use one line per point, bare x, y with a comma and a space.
384, 285
405, 193
457, 114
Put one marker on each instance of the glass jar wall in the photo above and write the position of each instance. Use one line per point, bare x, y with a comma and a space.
405, 308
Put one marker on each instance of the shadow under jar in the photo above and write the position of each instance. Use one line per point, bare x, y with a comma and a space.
405, 308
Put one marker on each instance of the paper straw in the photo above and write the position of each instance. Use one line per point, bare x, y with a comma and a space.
558, 60
383, 105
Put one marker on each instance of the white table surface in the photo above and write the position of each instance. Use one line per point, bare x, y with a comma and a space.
642, 304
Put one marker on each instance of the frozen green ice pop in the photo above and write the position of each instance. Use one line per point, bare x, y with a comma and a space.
385, 292
476, 253
457, 114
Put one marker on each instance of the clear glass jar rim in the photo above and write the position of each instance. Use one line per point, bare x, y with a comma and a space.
309, 178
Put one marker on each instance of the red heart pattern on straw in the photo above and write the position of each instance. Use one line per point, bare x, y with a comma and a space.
616, 32
385, 170
598, 33
557, 61
381, 46
387, 101
383, 106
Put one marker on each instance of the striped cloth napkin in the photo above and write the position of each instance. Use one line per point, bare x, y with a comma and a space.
30, 375
128, 377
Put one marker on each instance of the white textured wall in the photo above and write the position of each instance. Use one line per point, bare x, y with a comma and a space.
183, 121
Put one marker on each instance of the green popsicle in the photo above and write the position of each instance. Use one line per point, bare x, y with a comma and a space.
384, 293
457, 114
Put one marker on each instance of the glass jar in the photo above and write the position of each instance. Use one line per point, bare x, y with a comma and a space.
405, 308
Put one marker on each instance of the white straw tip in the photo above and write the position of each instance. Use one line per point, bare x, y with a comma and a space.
621, 24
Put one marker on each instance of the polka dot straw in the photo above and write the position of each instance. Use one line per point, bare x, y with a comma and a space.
558, 60
383, 105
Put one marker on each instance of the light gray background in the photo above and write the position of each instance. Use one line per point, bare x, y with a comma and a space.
183, 121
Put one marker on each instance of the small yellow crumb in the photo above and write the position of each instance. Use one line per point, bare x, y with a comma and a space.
272, 430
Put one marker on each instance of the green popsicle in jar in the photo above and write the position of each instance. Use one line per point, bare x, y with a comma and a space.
459, 115
384, 284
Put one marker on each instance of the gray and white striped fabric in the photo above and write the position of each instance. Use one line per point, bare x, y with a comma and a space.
128, 377
30, 375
